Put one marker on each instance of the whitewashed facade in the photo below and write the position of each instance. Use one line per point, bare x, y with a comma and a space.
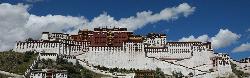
47, 56
48, 73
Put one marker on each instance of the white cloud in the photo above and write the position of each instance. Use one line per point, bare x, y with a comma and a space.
248, 30
53, 23
34, 1
222, 39
242, 48
202, 38
12, 20
17, 24
143, 18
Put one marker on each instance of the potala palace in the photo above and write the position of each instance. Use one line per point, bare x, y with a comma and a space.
118, 47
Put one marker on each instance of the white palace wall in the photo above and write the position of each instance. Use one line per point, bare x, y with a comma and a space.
155, 42
169, 55
223, 64
60, 47
128, 60
37, 46
46, 56
133, 47
176, 50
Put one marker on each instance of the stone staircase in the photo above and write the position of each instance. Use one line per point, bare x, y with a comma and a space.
195, 65
202, 74
11, 74
199, 65
182, 60
179, 65
28, 71
91, 67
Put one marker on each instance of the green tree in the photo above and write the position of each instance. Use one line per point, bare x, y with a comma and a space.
177, 74
159, 73
190, 74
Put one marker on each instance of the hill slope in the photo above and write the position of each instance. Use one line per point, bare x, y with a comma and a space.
15, 62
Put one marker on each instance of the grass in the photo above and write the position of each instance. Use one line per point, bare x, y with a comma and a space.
15, 62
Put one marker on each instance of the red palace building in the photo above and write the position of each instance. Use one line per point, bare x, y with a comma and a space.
103, 36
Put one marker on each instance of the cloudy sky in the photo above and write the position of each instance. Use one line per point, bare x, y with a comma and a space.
225, 24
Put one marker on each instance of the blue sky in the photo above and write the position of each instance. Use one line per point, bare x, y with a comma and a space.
208, 18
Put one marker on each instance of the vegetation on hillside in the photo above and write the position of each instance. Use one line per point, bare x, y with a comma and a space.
4, 76
15, 62
116, 69
74, 71
159, 73
239, 73
177, 74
